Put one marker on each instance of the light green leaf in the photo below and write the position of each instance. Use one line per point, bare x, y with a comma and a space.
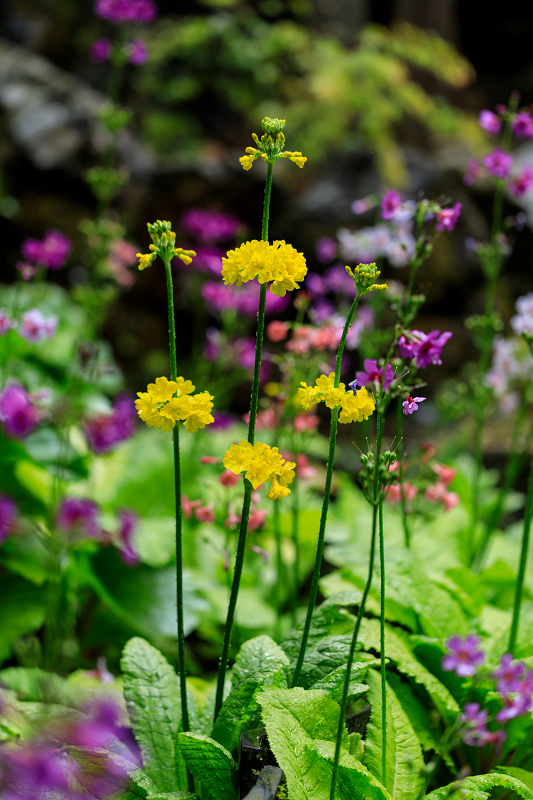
328, 619
151, 689
355, 781
405, 763
210, 764
420, 715
257, 658
477, 786
520, 774
40, 686
236, 714
333, 683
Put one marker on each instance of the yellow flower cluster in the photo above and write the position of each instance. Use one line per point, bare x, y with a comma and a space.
354, 407
261, 463
278, 263
167, 402
294, 156
146, 259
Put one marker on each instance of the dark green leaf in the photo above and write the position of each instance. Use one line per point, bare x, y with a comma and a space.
210, 764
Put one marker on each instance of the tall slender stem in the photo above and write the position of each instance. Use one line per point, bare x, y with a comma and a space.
528, 515
266, 203
382, 647
279, 567
177, 491
295, 519
399, 450
325, 501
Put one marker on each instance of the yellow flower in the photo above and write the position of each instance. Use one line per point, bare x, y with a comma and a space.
277, 491
185, 255
356, 407
332, 397
246, 162
167, 402
198, 414
162, 390
278, 263
295, 156
145, 259
260, 463
144, 405
308, 396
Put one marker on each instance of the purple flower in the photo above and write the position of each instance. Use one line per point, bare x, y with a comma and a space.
121, 11
138, 52
523, 321
128, 523
373, 376
6, 322
326, 249
522, 125
17, 413
34, 327
498, 163
80, 516
509, 675
474, 171
447, 217
353, 386
8, 515
361, 206
101, 50
489, 122
475, 721
210, 226
51, 252
208, 258
321, 311
463, 657
411, 404
523, 182
105, 431
242, 299
517, 706
337, 280
29, 769
314, 283
425, 348
390, 203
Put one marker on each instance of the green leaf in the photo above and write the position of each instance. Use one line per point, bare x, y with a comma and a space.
22, 611
151, 689
210, 764
258, 657
520, 774
333, 683
41, 687
354, 780
294, 719
405, 763
236, 714
327, 620
479, 786
419, 714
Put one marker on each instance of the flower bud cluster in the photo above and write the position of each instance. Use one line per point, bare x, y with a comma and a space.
163, 245
270, 146
365, 276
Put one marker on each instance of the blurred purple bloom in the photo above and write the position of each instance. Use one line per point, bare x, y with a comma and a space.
8, 515
314, 283
34, 327
361, 206
390, 203
101, 50
474, 171
425, 348
517, 706
523, 321
463, 657
128, 523
447, 217
509, 675
27, 271
105, 431
80, 516
498, 163
242, 299
29, 770
321, 311
208, 258
210, 226
212, 346
411, 404
51, 252
373, 375
475, 724
489, 122
326, 249
522, 125
17, 413
6, 322
223, 421
244, 350
138, 52
523, 182
337, 280
120, 11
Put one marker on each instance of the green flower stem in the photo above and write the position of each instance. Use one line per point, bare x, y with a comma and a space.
279, 567
325, 502
239, 557
295, 526
177, 491
399, 450
382, 646
528, 515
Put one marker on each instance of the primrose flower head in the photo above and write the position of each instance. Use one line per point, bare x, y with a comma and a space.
163, 245
365, 276
260, 463
463, 656
278, 264
270, 146
375, 377
167, 402
489, 122
354, 407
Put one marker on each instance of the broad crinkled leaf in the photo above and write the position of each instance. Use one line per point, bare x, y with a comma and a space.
151, 689
328, 620
405, 763
258, 657
333, 683
354, 779
211, 764
325, 656
477, 786
236, 714
520, 774
420, 716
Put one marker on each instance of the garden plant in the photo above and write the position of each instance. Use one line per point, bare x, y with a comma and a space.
310, 576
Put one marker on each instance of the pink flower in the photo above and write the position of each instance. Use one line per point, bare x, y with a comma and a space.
209, 460
373, 375
231, 520
8, 515
205, 513
256, 519
498, 163
489, 122
80, 516
305, 422
425, 348
450, 500
138, 52
435, 492
121, 11
27, 271
210, 225
326, 249
447, 217
101, 50
34, 327
105, 431
125, 535
51, 252
17, 413
522, 183
390, 203
474, 171
122, 254
228, 478
6, 322
305, 470
522, 125
444, 474
411, 404
277, 330
188, 506
393, 492
463, 656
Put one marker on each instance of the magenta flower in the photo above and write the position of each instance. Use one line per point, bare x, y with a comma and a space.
51, 252
390, 203
242, 299
8, 515
314, 283
474, 171
522, 125
326, 249
517, 706
101, 51
17, 413
121, 11
489, 122
79, 516
337, 280
105, 431
210, 226
34, 327
138, 52
208, 258
30, 770
463, 657
128, 523
6, 322
523, 182
425, 348
447, 217
411, 404
372, 376
475, 733
498, 163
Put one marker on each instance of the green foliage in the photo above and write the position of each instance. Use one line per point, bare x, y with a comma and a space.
22, 611
478, 788
210, 764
